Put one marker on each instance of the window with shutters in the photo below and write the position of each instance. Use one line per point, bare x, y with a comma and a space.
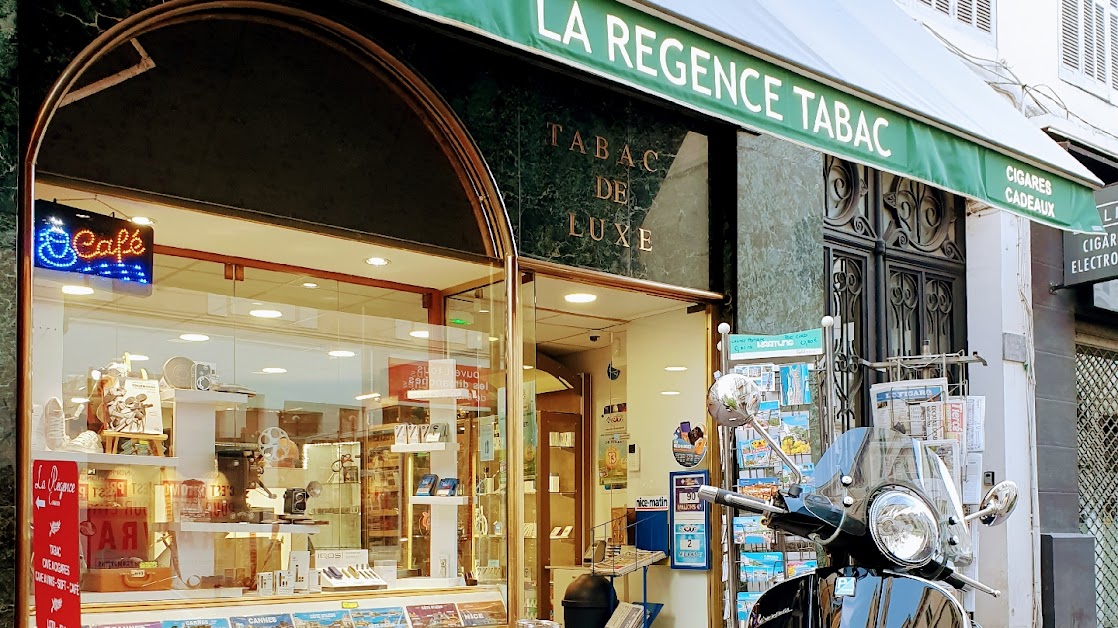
974, 16
1089, 45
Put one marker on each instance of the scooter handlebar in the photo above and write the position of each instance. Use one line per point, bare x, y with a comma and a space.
736, 500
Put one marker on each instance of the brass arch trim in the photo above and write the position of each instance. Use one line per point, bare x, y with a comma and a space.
462, 153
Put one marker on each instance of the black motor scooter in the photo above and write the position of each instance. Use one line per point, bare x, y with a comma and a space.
889, 520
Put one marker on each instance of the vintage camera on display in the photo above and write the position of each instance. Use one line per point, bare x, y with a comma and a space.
203, 375
295, 501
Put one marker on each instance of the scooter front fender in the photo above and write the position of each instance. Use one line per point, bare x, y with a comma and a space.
853, 597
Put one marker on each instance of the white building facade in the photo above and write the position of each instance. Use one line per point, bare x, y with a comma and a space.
1053, 373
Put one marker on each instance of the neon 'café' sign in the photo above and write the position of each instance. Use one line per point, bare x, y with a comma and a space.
77, 241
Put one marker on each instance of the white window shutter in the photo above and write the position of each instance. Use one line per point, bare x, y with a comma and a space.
977, 13
964, 10
1069, 34
1114, 49
943, 6
1100, 44
1088, 38
984, 16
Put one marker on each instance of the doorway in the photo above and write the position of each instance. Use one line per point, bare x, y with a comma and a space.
615, 373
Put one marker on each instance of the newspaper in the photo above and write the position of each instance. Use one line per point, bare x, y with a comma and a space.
976, 423
955, 420
626, 615
899, 405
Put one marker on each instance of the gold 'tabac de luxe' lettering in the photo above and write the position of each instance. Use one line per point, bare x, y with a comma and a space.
605, 188
596, 230
600, 149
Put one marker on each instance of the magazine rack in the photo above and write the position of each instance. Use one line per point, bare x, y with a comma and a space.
623, 563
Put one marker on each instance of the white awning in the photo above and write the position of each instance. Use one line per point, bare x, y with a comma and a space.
876, 49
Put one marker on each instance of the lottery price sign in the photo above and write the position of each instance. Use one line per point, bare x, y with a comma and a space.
690, 521
54, 496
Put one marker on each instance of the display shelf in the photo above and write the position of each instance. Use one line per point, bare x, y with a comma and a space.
439, 500
420, 447
258, 528
424, 582
180, 395
383, 533
94, 597
107, 459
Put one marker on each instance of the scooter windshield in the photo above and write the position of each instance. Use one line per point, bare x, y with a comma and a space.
875, 459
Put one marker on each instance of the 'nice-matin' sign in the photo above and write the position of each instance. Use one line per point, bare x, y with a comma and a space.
71, 240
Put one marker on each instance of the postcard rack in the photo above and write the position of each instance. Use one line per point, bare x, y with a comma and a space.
798, 392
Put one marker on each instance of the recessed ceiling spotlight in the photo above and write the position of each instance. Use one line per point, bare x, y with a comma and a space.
483, 311
194, 337
493, 339
137, 357
142, 220
377, 261
669, 393
341, 353
310, 285
79, 400
528, 367
266, 313
373, 396
78, 291
675, 369
580, 297
273, 370
420, 333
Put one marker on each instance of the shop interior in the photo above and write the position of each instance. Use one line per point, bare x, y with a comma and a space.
313, 370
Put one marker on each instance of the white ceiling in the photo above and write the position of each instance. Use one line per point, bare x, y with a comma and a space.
236, 237
338, 308
562, 328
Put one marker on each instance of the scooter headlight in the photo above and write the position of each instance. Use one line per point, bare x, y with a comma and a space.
904, 527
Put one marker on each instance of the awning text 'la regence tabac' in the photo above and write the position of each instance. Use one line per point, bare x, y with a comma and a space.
714, 75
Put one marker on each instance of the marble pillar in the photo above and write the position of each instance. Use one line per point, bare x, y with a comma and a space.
780, 236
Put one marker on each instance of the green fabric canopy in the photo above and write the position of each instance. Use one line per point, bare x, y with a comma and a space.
871, 105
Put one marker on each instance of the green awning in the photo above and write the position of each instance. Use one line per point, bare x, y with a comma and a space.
689, 52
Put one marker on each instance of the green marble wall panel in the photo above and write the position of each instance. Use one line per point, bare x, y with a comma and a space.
9, 169
559, 148
780, 236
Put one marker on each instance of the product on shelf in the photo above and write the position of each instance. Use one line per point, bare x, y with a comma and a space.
426, 484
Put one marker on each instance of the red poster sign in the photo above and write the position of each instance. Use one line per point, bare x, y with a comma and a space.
405, 375
54, 498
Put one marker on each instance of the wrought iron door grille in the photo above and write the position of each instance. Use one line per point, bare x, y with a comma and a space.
1096, 391
895, 259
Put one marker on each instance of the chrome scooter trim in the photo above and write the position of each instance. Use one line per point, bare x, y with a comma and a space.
947, 589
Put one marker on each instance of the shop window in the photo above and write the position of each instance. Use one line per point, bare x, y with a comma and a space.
268, 121
234, 418
269, 331
1089, 45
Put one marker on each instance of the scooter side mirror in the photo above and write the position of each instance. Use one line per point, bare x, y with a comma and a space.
998, 504
734, 400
